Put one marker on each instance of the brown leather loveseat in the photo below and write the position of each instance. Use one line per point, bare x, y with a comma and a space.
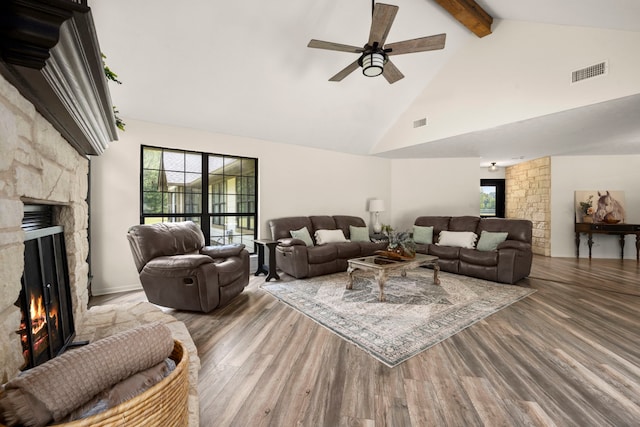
508, 262
177, 270
297, 259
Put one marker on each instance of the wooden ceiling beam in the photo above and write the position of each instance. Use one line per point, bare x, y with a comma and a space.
469, 14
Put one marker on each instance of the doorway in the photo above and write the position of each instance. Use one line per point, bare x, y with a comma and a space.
492, 198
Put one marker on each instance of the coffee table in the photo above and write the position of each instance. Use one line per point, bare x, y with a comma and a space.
383, 266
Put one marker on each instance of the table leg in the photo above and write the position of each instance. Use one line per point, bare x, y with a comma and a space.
261, 267
590, 243
273, 274
577, 245
622, 236
638, 247
381, 277
436, 270
350, 271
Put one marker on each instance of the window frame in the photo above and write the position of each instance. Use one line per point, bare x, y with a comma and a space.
206, 213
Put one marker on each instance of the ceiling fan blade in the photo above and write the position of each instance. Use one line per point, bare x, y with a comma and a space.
383, 16
417, 45
391, 73
319, 44
345, 72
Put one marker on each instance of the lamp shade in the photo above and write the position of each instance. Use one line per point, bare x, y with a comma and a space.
376, 205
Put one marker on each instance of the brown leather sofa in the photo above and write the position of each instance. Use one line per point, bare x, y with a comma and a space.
510, 262
296, 259
177, 270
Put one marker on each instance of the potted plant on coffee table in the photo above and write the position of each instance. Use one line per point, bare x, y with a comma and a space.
400, 244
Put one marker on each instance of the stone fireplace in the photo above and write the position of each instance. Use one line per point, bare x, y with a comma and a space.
37, 166
55, 110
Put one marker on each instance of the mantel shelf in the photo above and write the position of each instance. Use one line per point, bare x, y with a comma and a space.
49, 51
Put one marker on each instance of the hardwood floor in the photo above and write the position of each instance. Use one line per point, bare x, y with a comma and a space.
568, 355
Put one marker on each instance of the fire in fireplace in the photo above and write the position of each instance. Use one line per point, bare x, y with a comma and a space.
47, 327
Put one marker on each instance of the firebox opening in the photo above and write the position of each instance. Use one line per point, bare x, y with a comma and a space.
46, 327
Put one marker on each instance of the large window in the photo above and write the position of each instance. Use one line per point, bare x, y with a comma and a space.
492, 198
218, 192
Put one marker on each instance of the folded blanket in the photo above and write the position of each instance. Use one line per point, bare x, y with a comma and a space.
123, 391
66, 382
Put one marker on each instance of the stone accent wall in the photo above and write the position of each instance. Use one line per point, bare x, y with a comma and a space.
528, 196
37, 165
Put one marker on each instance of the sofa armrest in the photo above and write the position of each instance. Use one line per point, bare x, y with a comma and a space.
514, 244
164, 264
291, 242
222, 251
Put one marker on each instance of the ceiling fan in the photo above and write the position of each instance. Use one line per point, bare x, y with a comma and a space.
374, 56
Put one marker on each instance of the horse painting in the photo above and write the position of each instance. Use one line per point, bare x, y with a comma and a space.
609, 209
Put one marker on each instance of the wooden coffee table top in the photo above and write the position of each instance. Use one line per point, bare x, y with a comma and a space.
378, 262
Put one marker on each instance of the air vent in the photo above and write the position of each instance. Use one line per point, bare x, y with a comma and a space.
420, 123
589, 72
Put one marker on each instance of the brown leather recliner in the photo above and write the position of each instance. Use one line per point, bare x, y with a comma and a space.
177, 270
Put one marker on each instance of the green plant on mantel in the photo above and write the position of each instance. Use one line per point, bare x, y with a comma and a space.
110, 75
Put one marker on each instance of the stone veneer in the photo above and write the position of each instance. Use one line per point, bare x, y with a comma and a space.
37, 165
528, 196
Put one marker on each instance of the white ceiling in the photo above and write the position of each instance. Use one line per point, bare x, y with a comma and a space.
242, 67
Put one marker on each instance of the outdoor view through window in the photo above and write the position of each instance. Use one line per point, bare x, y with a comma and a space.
216, 191
488, 200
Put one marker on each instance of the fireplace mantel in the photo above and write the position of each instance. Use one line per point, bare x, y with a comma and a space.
49, 51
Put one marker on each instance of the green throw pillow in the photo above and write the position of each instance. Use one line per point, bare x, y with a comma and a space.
302, 234
489, 241
422, 235
359, 234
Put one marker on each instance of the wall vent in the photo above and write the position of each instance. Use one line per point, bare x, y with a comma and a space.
589, 72
419, 123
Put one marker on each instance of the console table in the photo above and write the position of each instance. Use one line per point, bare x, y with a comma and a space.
600, 228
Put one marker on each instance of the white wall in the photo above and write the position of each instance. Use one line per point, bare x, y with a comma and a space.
508, 77
569, 174
433, 187
293, 180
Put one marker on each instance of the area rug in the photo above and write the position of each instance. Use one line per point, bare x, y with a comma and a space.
416, 314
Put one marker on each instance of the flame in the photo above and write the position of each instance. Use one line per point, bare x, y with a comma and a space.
38, 314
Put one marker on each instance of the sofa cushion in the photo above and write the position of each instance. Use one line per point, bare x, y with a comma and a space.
302, 234
347, 250
438, 223
344, 221
281, 227
461, 239
518, 229
472, 256
329, 236
489, 241
423, 235
322, 222
444, 252
321, 254
358, 234
369, 248
464, 223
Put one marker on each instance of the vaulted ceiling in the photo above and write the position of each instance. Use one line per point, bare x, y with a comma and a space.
243, 68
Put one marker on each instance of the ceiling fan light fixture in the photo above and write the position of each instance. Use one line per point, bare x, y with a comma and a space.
373, 64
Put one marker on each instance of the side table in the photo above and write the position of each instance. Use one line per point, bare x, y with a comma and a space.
269, 270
